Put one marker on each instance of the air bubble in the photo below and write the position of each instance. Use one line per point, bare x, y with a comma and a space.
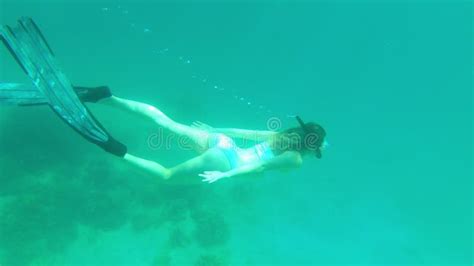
162, 51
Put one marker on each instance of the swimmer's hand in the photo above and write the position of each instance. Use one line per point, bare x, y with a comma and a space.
212, 176
202, 126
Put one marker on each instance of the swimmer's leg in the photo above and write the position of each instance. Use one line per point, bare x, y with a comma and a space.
148, 167
197, 136
184, 173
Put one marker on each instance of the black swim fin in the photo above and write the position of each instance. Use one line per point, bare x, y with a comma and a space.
28, 46
23, 95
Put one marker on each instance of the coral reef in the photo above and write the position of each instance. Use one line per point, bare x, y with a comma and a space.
210, 228
175, 210
41, 217
178, 238
105, 211
31, 226
143, 219
210, 260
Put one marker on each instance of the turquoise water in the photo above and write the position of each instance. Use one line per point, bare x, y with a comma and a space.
391, 82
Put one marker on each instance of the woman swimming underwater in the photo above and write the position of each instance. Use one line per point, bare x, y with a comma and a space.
219, 156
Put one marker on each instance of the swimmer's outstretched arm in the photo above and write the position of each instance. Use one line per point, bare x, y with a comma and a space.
287, 160
213, 176
255, 135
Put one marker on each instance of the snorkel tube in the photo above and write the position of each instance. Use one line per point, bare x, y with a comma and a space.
310, 130
302, 124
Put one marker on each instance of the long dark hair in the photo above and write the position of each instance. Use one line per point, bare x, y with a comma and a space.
304, 141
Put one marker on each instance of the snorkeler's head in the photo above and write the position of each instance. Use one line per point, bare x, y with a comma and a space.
314, 138
314, 135
305, 139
